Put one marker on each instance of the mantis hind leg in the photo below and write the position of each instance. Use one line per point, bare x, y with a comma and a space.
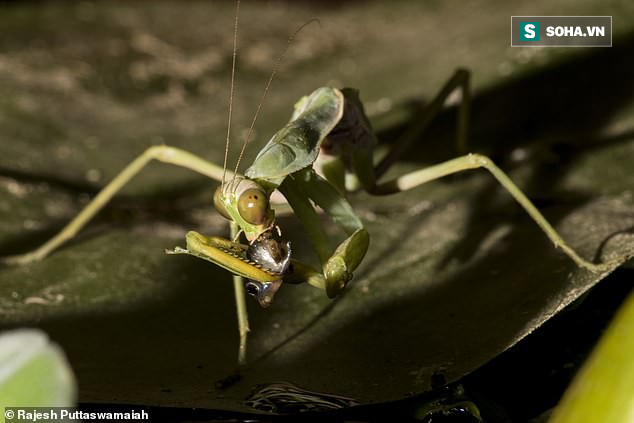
474, 161
459, 81
360, 151
368, 175
162, 153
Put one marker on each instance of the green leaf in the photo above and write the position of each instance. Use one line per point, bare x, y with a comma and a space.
456, 272
603, 389
34, 371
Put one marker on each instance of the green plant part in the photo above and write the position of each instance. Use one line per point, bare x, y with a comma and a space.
603, 390
34, 372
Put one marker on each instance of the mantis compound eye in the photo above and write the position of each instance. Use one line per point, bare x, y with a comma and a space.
218, 204
253, 206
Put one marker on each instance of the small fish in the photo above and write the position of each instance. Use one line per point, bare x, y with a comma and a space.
273, 253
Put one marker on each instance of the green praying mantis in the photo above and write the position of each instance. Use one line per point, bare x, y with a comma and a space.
325, 151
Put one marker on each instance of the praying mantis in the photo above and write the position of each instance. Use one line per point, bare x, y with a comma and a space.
328, 136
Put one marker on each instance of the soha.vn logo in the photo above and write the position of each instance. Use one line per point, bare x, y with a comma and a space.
529, 31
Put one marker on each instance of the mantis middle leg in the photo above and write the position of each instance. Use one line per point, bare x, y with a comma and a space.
162, 153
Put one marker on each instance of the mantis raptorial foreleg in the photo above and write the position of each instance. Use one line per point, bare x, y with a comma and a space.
337, 264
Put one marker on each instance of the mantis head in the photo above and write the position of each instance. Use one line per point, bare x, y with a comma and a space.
246, 202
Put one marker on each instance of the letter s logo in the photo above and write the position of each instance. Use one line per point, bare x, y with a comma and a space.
529, 31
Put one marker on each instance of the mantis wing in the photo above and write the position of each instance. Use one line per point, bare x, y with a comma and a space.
296, 146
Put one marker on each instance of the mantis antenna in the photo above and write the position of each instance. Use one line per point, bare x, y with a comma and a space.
231, 90
276, 68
